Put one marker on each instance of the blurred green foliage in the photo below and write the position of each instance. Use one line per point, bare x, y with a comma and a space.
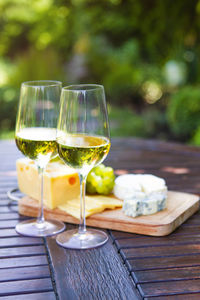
125, 122
184, 112
145, 53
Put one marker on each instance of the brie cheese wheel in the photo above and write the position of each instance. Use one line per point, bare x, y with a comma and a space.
142, 194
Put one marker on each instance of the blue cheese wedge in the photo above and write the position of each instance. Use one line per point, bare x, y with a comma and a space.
141, 194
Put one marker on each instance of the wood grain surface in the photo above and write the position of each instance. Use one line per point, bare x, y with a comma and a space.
152, 267
24, 266
97, 273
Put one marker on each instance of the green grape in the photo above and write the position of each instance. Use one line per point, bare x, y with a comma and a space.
90, 188
108, 171
100, 180
95, 180
100, 188
107, 181
99, 170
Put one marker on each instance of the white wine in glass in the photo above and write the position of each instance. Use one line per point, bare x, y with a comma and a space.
35, 137
83, 142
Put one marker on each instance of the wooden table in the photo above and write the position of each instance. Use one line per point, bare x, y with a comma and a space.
129, 266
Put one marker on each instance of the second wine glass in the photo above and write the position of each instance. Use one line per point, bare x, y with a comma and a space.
35, 137
83, 142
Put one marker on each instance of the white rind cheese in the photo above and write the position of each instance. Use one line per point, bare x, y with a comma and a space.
142, 194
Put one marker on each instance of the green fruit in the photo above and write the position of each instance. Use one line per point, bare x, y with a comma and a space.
100, 180
99, 170
90, 188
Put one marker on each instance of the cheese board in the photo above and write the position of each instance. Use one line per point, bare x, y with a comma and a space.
180, 206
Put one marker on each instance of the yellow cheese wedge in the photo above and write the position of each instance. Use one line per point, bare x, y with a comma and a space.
108, 202
61, 188
61, 183
93, 205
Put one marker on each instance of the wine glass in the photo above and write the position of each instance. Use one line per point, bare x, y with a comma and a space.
83, 142
35, 137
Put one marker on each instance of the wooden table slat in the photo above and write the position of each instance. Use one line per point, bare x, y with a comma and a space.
20, 241
104, 276
181, 231
11, 216
35, 296
195, 296
8, 224
25, 286
157, 241
3, 197
169, 288
4, 202
116, 235
22, 251
167, 251
23, 261
11, 181
153, 263
10, 232
29, 272
174, 274
7, 185
7, 210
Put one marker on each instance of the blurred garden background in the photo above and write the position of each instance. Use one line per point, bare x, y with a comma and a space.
145, 53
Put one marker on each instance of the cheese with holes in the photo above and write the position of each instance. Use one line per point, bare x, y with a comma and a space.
61, 188
141, 194
61, 183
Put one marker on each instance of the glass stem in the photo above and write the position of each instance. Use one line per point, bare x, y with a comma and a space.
82, 224
40, 218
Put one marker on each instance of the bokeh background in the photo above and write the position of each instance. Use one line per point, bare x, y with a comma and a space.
145, 53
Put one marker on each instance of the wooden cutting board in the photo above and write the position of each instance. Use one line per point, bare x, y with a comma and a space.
180, 206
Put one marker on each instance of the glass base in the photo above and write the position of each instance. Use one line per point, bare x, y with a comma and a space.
34, 229
72, 239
